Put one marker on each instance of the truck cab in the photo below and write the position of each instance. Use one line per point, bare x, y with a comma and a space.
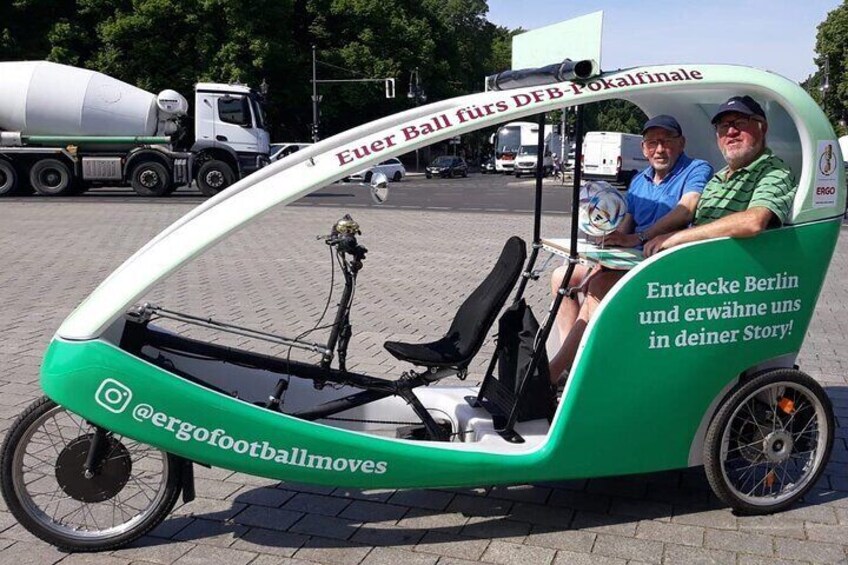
230, 128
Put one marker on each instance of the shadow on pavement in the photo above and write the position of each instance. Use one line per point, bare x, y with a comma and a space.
315, 518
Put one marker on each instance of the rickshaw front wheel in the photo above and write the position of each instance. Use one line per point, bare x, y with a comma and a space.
44, 481
769, 442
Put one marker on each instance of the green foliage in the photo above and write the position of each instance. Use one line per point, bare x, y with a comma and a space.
449, 41
615, 115
832, 50
158, 44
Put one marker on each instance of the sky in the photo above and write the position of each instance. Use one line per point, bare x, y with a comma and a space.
776, 35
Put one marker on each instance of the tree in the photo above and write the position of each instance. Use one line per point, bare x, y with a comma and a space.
158, 44
615, 115
832, 51
28, 27
450, 42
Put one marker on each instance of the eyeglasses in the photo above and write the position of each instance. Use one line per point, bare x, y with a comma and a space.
738, 124
652, 144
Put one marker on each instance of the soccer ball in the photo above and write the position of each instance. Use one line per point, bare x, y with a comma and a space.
602, 209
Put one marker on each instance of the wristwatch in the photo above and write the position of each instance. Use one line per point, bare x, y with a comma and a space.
642, 237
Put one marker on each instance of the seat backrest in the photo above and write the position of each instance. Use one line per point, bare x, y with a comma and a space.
478, 312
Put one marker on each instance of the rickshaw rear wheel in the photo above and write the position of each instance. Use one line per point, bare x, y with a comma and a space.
44, 484
769, 442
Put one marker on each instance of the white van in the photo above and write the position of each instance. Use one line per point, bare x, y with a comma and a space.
612, 156
525, 162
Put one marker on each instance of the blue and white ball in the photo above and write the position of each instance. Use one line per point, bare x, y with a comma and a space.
602, 209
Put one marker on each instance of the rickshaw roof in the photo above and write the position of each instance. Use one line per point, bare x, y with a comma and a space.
798, 132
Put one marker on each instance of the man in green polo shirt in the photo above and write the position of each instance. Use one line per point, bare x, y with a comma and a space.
755, 190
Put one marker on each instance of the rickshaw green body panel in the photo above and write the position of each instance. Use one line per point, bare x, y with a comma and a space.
633, 404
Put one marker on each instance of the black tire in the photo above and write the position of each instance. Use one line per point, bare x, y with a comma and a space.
368, 176
150, 178
397, 176
767, 439
214, 176
8, 178
58, 529
51, 177
465, 173
428, 175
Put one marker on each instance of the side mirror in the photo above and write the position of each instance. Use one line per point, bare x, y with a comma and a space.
379, 188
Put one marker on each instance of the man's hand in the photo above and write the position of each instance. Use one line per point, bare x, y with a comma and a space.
659, 243
618, 239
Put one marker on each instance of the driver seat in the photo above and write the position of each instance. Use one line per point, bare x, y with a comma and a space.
473, 319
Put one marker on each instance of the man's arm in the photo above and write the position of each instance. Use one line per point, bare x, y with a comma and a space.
679, 217
770, 204
747, 223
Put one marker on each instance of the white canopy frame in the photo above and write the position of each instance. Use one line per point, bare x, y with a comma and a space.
694, 88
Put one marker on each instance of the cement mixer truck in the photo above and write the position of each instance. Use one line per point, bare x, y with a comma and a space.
65, 129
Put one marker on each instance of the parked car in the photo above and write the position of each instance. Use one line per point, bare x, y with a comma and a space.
280, 150
392, 168
488, 166
447, 166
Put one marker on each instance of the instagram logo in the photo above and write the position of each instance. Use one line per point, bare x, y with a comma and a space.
112, 395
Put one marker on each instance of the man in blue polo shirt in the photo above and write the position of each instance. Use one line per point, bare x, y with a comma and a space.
661, 199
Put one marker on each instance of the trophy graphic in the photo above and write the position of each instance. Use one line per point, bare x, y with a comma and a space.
826, 160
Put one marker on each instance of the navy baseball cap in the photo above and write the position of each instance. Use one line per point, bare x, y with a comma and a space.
741, 105
663, 121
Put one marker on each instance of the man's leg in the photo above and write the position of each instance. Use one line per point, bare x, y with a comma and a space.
598, 287
569, 307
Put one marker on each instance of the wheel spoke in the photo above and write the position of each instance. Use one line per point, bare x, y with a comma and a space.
761, 481
741, 447
807, 425
773, 403
754, 418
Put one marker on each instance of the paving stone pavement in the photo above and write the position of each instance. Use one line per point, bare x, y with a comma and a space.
274, 275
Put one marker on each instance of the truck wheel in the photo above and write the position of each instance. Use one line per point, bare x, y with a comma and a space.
213, 177
8, 178
769, 442
51, 177
150, 179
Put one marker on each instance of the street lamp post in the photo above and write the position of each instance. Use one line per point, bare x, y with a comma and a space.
825, 85
416, 94
315, 98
